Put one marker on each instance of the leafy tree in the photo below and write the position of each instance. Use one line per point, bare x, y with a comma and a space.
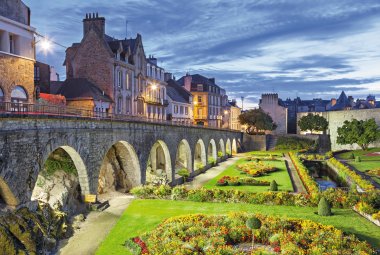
361, 132
253, 223
257, 121
313, 123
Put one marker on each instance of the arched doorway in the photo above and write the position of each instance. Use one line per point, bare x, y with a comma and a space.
221, 149
159, 169
234, 147
1, 95
200, 160
183, 157
62, 181
6, 195
211, 151
19, 98
228, 147
120, 170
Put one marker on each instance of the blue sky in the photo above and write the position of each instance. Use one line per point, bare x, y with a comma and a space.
313, 49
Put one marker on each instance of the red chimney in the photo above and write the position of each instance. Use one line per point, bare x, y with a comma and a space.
188, 79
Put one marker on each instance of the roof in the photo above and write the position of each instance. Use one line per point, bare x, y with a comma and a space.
341, 103
80, 88
176, 92
199, 79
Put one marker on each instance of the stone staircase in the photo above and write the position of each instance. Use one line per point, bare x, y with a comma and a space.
271, 142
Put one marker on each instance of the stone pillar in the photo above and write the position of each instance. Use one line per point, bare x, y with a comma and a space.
4, 41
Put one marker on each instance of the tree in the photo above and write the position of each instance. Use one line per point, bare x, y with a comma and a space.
253, 223
313, 123
361, 132
257, 121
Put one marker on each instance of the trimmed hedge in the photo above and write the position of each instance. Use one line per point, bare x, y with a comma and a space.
309, 183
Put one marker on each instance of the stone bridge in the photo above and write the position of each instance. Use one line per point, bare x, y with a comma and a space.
26, 143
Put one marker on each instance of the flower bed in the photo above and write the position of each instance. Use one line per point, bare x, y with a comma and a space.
309, 183
236, 181
256, 169
346, 172
224, 234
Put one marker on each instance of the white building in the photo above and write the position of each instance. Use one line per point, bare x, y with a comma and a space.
180, 109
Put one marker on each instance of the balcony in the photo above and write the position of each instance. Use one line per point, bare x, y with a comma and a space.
156, 101
200, 117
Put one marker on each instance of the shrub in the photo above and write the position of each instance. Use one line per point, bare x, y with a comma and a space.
295, 143
253, 223
324, 207
352, 156
211, 161
329, 154
273, 186
184, 173
199, 165
133, 247
220, 154
309, 183
179, 193
358, 159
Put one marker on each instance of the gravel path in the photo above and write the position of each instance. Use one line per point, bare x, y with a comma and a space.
95, 228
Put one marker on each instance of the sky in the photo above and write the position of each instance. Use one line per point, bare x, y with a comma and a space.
311, 49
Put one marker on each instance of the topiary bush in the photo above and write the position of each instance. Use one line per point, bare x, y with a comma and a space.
184, 173
352, 156
324, 207
273, 186
358, 159
253, 223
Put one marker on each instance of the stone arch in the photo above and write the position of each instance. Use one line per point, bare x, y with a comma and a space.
159, 166
221, 147
234, 147
6, 195
200, 158
63, 180
183, 156
120, 169
19, 94
228, 147
2, 95
211, 150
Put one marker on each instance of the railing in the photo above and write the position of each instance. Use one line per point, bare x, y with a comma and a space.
24, 109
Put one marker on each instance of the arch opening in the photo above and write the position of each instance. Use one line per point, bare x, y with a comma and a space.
228, 147
234, 147
18, 95
183, 157
211, 152
1, 95
62, 181
159, 169
221, 149
200, 160
120, 169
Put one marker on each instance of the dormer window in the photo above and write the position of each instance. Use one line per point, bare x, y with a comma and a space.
200, 87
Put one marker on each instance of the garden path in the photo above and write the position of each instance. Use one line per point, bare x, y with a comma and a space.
296, 181
202, 179
96, 227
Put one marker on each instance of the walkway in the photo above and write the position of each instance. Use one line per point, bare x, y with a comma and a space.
201, 179
296, 181
96, 227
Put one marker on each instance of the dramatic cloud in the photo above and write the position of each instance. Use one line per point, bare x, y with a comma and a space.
292, 47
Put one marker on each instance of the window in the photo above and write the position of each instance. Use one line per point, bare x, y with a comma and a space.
199, 99
119, 104
181, 110
176, 109
200, 87
12, 44
119, 79
200, 112
127, 84
36, 73
187, 110
128, 105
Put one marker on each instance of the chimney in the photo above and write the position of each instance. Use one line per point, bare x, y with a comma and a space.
152, 59
333, 101
212, 80
168, 76
188, 79
93, 20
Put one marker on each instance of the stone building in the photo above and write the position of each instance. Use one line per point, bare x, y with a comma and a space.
271, 104
231, 115
155, 97
17, 55
208, 97
117, 67
180, 109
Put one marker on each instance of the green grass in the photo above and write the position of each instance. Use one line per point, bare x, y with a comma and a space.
143, 215
281, 177
367, 162
266, 153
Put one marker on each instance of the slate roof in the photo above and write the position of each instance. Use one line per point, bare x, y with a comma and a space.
176, 92
82, 88
341, 103
198, 79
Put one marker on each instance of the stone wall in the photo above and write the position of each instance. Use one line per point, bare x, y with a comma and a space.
16, 71
15, 10
279, 114
254, 142
26, 143
337, 118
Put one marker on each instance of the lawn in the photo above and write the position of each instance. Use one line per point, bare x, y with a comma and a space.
367, 162
281, 177
144, 215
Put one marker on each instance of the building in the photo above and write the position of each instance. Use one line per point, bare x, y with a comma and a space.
231, 115
155, 97
17, 55
271, 104
119, 69
180, 109
44, 74
207, 96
